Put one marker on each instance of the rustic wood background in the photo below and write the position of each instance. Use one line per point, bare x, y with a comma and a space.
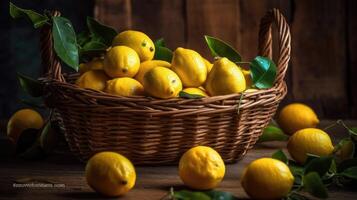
323, 67
322, 70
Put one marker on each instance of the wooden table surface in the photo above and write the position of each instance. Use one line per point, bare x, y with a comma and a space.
67, 176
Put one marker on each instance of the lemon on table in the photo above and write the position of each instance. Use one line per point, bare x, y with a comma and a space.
208, 64
110, 174
94, 64
121, 61
296, 116
267, 178
189, 66
201, 168
124, 87
94, 79
309, 141
138, 41
162, 82
196, 91
225, 78
21, 120
147, 65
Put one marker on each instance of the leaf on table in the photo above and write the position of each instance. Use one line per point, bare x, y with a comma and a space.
263, 72
346, 164
295, 168
186, 95
313, 184
220, 48
65, 43
160, 43
350, 173
163, 53
31, 86
203, 195
101, 32
320, 165
272, 133
280, 155
37, 19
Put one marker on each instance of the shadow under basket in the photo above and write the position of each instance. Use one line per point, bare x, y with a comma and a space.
152, 131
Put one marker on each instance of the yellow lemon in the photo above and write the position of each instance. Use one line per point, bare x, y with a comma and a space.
22, 120
197, 91
208, 64
267, 178
201, 168
296, 116
94, 79
121, 61
95, 64
162, 82
189, 66
309, 140
147, 65
225, 78
124, 87
138, 41
110, 174
248, 78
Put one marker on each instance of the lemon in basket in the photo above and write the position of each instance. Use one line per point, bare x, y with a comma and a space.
309, 141
124, 87
94, 64
121, 61
195, 91
94, 79
110, 174
147, 65
162, 82
189, 66
201, 168
138, 41
22, 120
267, 178
296, 116
225, 78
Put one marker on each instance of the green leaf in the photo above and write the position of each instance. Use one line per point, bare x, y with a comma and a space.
101, 32
345, 149
204, 195
272, 133
350, 172
49, 138
31, 86
65, 42
219, 48
263, 72
280, 155
37, 19
312, 183
295, 168
320, 165
163, 53
26, 139
347, 164
160, 43
220, 195
186, 95
353, 131
83, 38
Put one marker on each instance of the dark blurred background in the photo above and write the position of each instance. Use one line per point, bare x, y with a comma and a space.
322, 70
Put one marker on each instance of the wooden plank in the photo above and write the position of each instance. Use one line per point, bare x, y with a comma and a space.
319, 56
209, 17
160, 18
352, 57
116, 13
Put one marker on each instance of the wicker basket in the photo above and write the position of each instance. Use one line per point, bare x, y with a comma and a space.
155, 131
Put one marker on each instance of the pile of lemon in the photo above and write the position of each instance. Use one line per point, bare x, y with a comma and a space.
128, 69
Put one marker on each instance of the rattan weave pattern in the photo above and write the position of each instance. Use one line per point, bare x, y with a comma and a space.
156, 131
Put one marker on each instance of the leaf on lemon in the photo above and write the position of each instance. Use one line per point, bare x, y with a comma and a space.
186, 95
219, 48
37, 19
160, 43
65, 42
31, 86
272, 133
263, 72
313, 184
280, 155
163, 53
101, 32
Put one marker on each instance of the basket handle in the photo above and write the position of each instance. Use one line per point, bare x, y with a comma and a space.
265, 40
50, 62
